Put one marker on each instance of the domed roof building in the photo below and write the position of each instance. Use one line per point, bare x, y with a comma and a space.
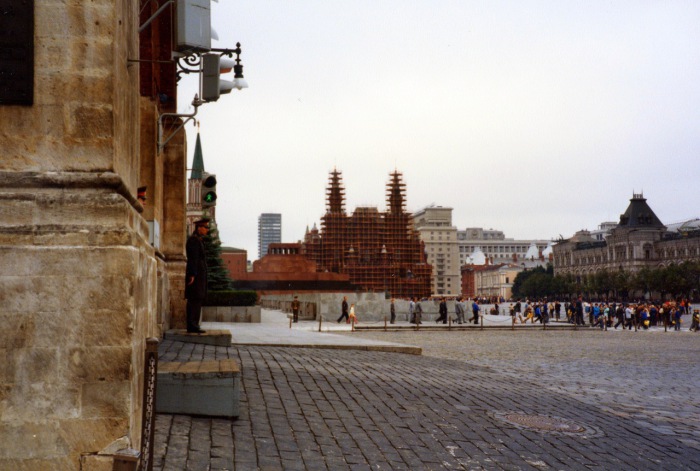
477, 257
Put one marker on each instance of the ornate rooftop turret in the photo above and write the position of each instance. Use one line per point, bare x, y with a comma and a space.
639, 214
335, 193
395, 190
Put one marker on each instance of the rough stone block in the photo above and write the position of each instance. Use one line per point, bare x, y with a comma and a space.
93, 435
96, 463
93, 328
91, 364
105, 399
90, 122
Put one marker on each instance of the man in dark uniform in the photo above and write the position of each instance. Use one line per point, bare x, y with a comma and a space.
196, 275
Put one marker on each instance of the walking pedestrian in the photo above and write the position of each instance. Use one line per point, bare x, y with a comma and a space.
392, 310
352, 318
538, 313
443, 312
295, 309
459, 310
418, 312
677, 314
620, 315
695, 325
475, 312
344, 311
579, 311
628, 318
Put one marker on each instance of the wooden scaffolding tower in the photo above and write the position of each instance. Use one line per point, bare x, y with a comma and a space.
379, 251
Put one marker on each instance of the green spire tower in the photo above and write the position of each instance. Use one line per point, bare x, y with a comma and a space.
197, 161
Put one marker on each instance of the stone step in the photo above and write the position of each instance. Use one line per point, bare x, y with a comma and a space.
208, 388
219, 338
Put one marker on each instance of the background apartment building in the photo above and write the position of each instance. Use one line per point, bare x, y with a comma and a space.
434, 224
269, 231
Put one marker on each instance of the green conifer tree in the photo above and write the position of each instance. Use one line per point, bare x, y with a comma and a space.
217, 274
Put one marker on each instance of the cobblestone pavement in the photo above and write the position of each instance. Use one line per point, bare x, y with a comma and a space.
475, 400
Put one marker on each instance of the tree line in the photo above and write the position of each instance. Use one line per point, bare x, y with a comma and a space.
674, 281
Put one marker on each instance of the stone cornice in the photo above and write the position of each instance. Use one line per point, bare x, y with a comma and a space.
69, 180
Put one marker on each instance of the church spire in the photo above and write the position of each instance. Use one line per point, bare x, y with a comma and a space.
198, 160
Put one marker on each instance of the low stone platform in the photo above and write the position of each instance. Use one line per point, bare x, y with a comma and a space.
219, 337
209, 388
231, 314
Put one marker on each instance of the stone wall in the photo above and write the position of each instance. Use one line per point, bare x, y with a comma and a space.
81, 288
231, 314
369, 307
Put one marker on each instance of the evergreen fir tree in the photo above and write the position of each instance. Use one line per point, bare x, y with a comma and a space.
217, 274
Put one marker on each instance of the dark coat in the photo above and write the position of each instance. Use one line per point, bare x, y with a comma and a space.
197, 267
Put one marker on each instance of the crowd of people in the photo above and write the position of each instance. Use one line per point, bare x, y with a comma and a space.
607, 314
604, 314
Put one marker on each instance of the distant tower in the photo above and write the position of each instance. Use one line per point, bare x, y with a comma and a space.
395, 191
334, 225
194, 189
269, 231
335, 193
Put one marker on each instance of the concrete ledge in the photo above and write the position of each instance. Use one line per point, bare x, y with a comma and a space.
209, 388
219, 338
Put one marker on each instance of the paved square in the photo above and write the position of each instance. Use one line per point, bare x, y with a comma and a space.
530, 400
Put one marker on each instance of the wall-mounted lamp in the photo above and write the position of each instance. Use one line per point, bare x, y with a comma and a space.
209, 66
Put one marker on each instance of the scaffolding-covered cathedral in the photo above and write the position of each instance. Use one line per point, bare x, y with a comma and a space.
379, 251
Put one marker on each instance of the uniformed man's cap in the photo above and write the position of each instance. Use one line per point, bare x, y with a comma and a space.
202, 222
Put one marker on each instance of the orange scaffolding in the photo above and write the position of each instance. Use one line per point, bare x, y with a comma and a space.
379, 251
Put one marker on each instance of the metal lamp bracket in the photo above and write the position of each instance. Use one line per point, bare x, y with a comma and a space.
163, 140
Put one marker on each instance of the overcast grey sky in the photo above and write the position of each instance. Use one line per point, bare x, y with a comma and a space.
538, 118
